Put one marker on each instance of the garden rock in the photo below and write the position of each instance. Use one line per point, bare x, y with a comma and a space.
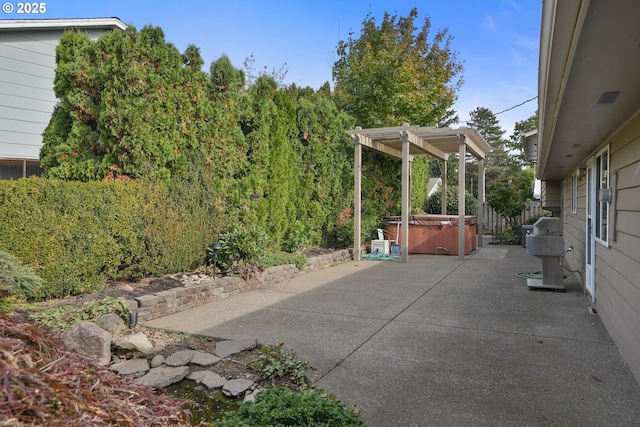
133, 366
163, 376
211, 380
89, 339
157, 360
227, 348
136, 342
234, 388
201, 358
111, 323
179, 358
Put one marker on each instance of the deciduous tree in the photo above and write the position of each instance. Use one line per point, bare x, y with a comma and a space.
394, 73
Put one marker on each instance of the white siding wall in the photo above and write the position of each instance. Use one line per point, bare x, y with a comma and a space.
27, 70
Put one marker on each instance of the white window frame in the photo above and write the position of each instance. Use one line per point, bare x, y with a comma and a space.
563, 200
603, 208
574, 193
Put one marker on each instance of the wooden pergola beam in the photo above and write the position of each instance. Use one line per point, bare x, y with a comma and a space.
375, 145
426, 146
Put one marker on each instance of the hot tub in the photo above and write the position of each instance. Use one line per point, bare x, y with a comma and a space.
434, 234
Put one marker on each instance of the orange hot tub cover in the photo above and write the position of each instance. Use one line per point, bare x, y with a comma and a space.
434, 234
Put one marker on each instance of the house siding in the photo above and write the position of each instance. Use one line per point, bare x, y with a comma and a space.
551, 195
27, 99
26, 92
617, 266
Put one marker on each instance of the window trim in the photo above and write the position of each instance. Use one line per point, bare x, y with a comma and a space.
574, 193
603, 208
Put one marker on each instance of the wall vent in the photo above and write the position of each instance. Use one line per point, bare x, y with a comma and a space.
608, 97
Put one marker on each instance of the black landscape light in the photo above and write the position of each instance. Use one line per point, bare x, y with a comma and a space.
213, 250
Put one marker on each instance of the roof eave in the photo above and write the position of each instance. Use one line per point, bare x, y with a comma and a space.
46, 24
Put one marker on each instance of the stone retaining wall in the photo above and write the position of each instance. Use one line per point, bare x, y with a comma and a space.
192, 295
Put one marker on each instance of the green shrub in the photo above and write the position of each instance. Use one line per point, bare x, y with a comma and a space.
434, 202
18, 280
298, 237
242, 247
274, 362
282, 407
270, 259
62, 318
542, 213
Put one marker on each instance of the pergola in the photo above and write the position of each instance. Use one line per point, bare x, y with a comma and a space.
405, 142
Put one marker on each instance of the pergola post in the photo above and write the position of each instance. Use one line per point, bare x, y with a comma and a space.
462, 153
480, 201
357, 197
443, 198
406, 197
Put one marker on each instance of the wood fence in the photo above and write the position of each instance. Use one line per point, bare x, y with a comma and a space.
496, 225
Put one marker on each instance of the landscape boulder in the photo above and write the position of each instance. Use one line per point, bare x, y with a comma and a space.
89, 339
137, 342
111, 323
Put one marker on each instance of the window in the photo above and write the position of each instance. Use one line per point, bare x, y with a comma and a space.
14, 169
602, 202
574, 193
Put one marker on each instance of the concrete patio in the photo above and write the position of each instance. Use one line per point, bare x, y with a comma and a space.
439, 341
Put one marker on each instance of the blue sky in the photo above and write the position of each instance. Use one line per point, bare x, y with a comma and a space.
496, 40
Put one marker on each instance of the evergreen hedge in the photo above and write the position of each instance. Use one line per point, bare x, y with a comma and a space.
75, 235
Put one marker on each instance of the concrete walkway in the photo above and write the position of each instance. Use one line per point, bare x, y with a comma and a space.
439, 342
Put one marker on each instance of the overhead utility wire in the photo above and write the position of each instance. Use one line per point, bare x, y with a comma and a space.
516, 106
504, 111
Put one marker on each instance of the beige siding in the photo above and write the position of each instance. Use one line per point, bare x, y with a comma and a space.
618, 266
551, 195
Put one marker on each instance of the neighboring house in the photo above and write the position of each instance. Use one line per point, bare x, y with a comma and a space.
27, 70
433, 185
588, 152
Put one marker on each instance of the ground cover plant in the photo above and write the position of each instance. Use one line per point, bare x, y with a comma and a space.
42, 384
282, 407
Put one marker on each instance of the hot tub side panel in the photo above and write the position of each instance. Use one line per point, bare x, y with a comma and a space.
436, 236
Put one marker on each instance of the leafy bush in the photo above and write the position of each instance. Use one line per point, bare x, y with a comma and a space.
542, 213
18, 280
273, 362
282, 407
298, 237
434, 202
242, 247
62, 318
